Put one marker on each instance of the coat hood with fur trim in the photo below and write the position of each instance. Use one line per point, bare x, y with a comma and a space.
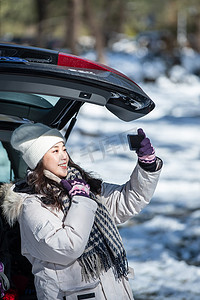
11, 203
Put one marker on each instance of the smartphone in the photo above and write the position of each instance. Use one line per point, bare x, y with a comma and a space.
134, 141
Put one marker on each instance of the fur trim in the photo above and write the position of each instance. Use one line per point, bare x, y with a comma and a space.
11, 203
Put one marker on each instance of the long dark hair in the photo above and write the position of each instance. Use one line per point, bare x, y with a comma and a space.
46, 187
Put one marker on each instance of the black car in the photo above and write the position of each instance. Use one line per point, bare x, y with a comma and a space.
50, 87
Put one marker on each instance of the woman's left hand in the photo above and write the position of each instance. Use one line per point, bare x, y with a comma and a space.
76, 187
146, 152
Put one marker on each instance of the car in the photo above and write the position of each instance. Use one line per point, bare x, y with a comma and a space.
50, 87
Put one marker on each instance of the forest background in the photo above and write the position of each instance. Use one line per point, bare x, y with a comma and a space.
80, 25
157, 44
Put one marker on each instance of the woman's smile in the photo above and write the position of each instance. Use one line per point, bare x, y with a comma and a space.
63, 166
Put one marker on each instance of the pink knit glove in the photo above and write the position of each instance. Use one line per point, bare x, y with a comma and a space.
76, 187
146, 152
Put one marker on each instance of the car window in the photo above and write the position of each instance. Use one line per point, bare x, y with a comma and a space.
4, 165
51, 99
42, 101
23, 107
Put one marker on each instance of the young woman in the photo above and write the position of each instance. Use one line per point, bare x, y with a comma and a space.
68, 218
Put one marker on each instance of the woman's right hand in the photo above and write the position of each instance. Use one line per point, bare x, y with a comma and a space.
146, 152
76, 187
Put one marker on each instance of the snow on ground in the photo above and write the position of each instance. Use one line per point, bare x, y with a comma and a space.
163, 241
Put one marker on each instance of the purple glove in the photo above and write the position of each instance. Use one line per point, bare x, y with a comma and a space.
146, 152
76, 187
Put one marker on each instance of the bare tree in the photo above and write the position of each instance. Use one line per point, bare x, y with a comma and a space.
73, 21
114, 18
197, 33
41, 10
96, 29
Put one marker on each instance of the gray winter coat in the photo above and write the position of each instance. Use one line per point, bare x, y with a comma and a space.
53, 246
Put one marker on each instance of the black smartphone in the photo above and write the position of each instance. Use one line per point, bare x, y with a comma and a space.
134, 141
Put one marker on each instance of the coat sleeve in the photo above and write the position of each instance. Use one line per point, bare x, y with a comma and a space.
47, 238
127, 200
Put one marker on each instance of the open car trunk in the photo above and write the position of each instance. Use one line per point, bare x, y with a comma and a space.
39, 85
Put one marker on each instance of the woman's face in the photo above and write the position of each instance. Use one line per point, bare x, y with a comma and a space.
56, 160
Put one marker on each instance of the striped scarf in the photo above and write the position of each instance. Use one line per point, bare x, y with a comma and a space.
104, 249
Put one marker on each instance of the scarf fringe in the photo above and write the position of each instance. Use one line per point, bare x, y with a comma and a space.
95, 264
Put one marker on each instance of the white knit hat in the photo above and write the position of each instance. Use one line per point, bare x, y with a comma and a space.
34, 140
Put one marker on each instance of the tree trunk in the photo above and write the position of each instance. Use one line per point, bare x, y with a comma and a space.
114, 19
73, 25
121, 12
198, 33
96, 30
41, 8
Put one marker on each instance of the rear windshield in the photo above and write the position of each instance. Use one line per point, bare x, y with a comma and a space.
5, 174
40, 101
